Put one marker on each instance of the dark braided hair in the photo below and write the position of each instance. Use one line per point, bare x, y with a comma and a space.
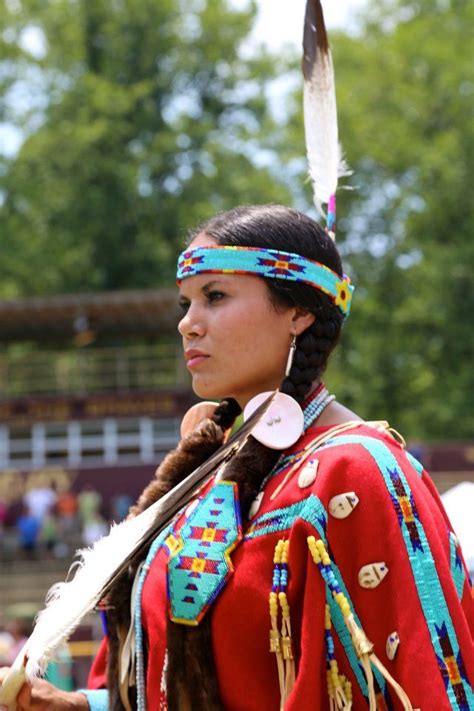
191, 677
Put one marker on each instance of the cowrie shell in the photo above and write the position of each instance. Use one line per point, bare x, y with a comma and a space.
257, 502
391, 647
342, 505
308, 474
371, 575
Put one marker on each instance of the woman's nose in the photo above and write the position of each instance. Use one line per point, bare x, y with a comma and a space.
191, 325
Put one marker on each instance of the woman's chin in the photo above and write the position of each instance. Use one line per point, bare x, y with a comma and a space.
206, 390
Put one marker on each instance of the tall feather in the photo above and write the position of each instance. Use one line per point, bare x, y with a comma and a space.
100, 566
326, 164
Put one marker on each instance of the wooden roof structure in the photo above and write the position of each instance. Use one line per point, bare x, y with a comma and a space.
145, 312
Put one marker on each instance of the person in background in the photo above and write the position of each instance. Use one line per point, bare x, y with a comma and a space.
7, 642
120, 506
49, 534
67, 510
40, 500
28, 527
19, 629
94, 528
89, 501
59, 671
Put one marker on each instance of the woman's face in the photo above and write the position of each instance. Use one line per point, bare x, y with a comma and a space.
235, 343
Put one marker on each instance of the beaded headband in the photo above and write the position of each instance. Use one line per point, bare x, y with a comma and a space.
269, 263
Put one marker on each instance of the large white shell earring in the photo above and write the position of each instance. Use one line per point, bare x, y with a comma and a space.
291, 355
283, 423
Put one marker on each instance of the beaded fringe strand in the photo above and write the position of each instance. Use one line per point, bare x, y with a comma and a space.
362, 645
280, 639
339, 688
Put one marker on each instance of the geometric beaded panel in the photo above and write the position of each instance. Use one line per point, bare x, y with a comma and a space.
200, 564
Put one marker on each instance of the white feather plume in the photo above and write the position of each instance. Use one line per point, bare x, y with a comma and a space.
326, 164
68, 602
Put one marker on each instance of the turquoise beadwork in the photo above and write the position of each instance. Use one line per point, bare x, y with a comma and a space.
200, 566
269, 263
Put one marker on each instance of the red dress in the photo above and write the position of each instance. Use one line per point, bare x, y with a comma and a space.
393, 554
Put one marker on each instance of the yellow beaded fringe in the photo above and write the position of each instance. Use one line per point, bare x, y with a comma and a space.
363, 646
280, 638
339, 688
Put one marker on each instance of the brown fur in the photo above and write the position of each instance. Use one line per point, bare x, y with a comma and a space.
192, 451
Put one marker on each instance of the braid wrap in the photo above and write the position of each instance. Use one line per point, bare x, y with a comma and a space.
313, 348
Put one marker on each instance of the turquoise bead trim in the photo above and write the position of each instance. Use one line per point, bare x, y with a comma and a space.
417, 466
281, 519
269, 263
200, 566
314, 511
339, 624
457, 568
98, 699
140, 663
430, 592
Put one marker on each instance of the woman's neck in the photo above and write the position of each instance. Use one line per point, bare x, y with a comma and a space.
336, 414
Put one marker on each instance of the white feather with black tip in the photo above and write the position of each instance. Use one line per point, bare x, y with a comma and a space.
326, 164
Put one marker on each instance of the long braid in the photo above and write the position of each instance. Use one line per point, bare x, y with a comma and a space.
191, 452
226, 413
312, 351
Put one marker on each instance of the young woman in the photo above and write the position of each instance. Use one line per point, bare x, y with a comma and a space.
321, 575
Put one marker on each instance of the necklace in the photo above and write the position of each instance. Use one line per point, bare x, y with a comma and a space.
313, 408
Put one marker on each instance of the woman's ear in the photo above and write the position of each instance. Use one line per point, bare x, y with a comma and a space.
302, 319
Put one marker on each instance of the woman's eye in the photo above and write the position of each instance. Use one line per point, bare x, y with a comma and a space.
215, 295
183, 306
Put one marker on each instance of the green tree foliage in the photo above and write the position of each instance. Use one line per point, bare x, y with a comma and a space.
142, 119
406, 95
405, 87
153, 121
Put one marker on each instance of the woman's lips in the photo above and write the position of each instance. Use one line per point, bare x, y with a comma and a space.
194, 357
195, 361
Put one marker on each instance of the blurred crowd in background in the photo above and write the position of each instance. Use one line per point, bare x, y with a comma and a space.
50, 524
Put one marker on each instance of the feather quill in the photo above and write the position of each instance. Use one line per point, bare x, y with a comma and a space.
100, 566
326, 164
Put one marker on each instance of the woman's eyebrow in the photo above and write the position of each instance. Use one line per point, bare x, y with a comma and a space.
205, 289
210, 284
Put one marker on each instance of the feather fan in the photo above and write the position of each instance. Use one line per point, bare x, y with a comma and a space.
326, 164
98, 568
